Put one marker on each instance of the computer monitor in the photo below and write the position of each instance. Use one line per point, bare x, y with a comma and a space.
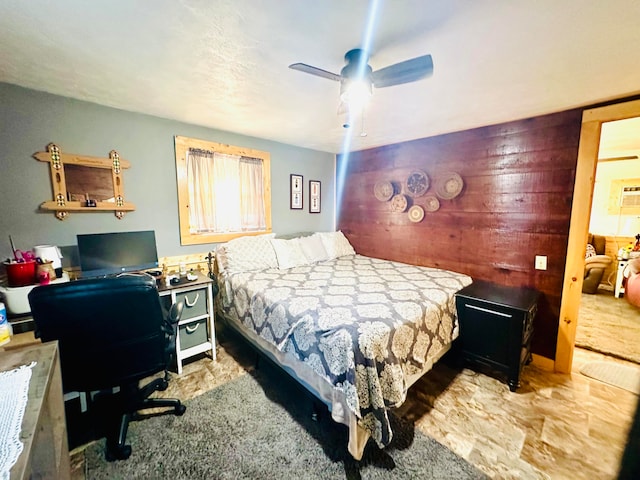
103, 254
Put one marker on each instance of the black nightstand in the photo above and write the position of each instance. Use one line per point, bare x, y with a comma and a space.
496, 326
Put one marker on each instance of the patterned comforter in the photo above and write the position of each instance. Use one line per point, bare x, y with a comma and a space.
363, 324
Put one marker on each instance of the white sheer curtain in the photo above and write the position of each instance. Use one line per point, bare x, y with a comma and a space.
225, 192
252, 209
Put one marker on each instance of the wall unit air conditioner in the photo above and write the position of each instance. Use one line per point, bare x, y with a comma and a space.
630, 196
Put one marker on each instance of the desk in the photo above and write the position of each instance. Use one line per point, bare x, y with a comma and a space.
196, 328
44, 430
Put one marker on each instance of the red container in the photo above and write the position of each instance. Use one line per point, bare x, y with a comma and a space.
21, 274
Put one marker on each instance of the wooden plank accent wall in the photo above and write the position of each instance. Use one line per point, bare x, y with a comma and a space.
515, 204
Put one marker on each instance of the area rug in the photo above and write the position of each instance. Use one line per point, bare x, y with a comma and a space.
609, 325
615, 374
260, 426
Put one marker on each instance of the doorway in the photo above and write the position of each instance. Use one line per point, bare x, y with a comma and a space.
588, 149
607, 323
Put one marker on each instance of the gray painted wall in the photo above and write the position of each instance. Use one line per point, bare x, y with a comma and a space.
29, 120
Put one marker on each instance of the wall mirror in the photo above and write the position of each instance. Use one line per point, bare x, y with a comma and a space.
88, 183
85, 184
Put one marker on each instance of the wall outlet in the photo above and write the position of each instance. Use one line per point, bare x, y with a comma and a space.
541, 262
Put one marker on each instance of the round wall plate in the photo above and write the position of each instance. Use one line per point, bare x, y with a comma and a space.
416, 213
449, 186
383, 191
432, 204
399, 203
417, 183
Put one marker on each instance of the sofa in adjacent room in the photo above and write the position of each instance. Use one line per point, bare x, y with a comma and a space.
595, 263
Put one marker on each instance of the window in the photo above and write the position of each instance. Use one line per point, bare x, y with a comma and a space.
223, 191
624, 197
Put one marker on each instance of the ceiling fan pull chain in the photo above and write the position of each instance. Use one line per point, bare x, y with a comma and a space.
363, 132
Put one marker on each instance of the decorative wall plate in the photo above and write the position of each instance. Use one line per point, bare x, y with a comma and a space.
399, 203
416, 213
449, 186
417, 183
383, 191
432, 203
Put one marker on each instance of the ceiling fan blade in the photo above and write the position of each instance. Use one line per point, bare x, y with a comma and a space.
303, 67
403, 72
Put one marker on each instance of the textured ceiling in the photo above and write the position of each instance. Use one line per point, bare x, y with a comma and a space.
224, 64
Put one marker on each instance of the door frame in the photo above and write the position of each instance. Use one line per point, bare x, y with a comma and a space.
587, 163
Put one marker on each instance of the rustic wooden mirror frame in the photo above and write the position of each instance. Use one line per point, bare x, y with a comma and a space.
65, 201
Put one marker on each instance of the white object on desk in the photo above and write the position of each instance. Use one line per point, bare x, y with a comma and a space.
17, 299
622, 264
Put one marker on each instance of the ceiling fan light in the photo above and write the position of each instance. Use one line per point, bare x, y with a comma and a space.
355, 93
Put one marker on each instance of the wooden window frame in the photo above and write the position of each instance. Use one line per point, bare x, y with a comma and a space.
182, 146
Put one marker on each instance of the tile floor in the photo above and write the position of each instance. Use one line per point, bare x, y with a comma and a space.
555, 426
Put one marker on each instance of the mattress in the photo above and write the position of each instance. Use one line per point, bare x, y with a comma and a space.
356, 331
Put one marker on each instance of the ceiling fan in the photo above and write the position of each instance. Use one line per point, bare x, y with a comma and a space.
358, 76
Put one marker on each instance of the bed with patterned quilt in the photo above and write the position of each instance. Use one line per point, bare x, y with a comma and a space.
356, 331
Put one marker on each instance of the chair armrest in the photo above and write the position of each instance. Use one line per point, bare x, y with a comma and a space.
173, 317
597, 261
175, 312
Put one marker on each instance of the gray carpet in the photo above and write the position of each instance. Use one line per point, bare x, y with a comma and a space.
609, 325
259, 426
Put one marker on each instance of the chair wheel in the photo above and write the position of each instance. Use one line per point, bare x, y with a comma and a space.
117, 453
163, 385
180, 409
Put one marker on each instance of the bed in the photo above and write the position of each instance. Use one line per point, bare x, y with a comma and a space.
356, 331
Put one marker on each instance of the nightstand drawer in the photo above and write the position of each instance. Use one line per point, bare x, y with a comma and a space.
195, 303
194, 333
485, 331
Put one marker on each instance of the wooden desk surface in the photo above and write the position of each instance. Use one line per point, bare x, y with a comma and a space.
20, 340
202, 279
44, 433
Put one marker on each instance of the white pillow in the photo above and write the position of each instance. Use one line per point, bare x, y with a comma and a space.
336, 244
249, 253
289, 253
313, 249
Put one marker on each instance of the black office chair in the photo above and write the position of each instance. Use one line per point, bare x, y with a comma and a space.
112, 332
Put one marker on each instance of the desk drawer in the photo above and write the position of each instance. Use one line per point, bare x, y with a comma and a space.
195, 303
194, 333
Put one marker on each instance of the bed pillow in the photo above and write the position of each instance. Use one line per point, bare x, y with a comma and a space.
289, 253
336, 244
245, 254
313, 249
221, 258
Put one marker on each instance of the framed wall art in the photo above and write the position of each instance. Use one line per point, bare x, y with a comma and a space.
314, 196
296, 192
